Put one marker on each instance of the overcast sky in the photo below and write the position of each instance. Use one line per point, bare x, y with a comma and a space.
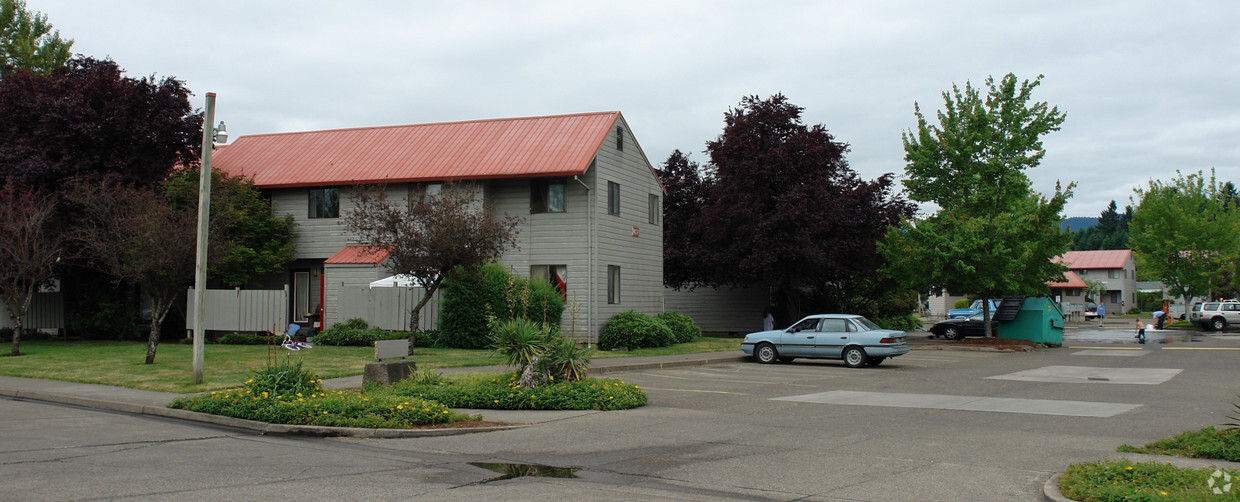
1148, 87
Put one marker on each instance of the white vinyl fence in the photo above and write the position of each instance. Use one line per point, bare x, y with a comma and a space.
240, 310
387, 308
47, 311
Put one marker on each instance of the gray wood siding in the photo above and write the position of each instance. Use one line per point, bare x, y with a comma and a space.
720, 310
337, 277
46, 311
317, 238
640, 257
239, 310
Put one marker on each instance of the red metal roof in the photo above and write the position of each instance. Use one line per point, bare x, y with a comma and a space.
1110, 258
359, 254
1070, 281
559, 145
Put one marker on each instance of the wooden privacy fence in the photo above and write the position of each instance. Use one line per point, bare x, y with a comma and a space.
241, 310
387, 308
47, 311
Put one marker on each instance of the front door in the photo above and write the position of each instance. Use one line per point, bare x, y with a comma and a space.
799, 339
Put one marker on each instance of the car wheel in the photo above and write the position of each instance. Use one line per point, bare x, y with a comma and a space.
874, 361
765, 353
951, 333
1218, 324
786, 359
854, 357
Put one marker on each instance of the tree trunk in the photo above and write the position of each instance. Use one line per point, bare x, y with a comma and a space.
159, 310
990, 333
17, 336
415, 316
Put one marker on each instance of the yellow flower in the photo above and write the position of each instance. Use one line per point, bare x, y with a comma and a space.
1163, 493
1129, 468
400, 406
298, 394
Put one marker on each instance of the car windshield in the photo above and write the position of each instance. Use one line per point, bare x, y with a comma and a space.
865, 324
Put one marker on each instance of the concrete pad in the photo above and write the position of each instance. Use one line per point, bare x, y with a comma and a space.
965, 403
1111, 352
1085, 374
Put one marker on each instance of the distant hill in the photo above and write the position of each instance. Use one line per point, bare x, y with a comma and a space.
1078, 222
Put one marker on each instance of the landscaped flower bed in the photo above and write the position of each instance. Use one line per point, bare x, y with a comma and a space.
503, 393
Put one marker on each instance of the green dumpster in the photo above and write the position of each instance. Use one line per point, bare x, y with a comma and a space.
1038, 320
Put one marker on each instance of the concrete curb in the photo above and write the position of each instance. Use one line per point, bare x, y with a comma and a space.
620, 368
244, 424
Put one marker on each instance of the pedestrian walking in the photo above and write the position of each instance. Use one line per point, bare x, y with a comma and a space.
768, 320
1140, 332
1102, 313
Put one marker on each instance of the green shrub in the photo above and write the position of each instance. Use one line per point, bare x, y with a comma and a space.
633, 330
355, 332
244, 339
470, 295
683, 328
1134, 310
503, 393
6, 334
962, 303
905, 322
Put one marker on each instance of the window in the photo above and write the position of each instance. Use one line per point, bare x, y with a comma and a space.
554, 274
654, 209
834, 326
301, 296
1113, 273
547, 196
613, 284
324, 203
806, 325
620, 138
613, 198
421, 192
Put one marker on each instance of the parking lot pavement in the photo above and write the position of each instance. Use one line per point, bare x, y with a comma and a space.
928, 425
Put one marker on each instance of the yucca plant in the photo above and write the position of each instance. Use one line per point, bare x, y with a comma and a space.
519, 340
563, 359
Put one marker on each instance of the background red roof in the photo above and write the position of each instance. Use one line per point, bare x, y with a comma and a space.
559, 145
1110, 258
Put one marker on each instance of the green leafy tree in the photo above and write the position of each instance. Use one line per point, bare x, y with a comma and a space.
993, 235
251, 240
1183, 234
27, 40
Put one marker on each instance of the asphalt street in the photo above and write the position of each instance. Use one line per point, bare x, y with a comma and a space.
930, 425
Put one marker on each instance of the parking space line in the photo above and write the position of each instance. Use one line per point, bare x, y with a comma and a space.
1105, 348
965, 403
1201, 348
698, 391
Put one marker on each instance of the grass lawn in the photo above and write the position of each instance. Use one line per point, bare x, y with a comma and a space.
119, 363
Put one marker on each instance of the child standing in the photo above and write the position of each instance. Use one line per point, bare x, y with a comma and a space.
1140, 332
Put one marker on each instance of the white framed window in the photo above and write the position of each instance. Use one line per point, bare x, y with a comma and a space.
654, 209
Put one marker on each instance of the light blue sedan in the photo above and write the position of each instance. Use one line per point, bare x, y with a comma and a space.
853, 338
